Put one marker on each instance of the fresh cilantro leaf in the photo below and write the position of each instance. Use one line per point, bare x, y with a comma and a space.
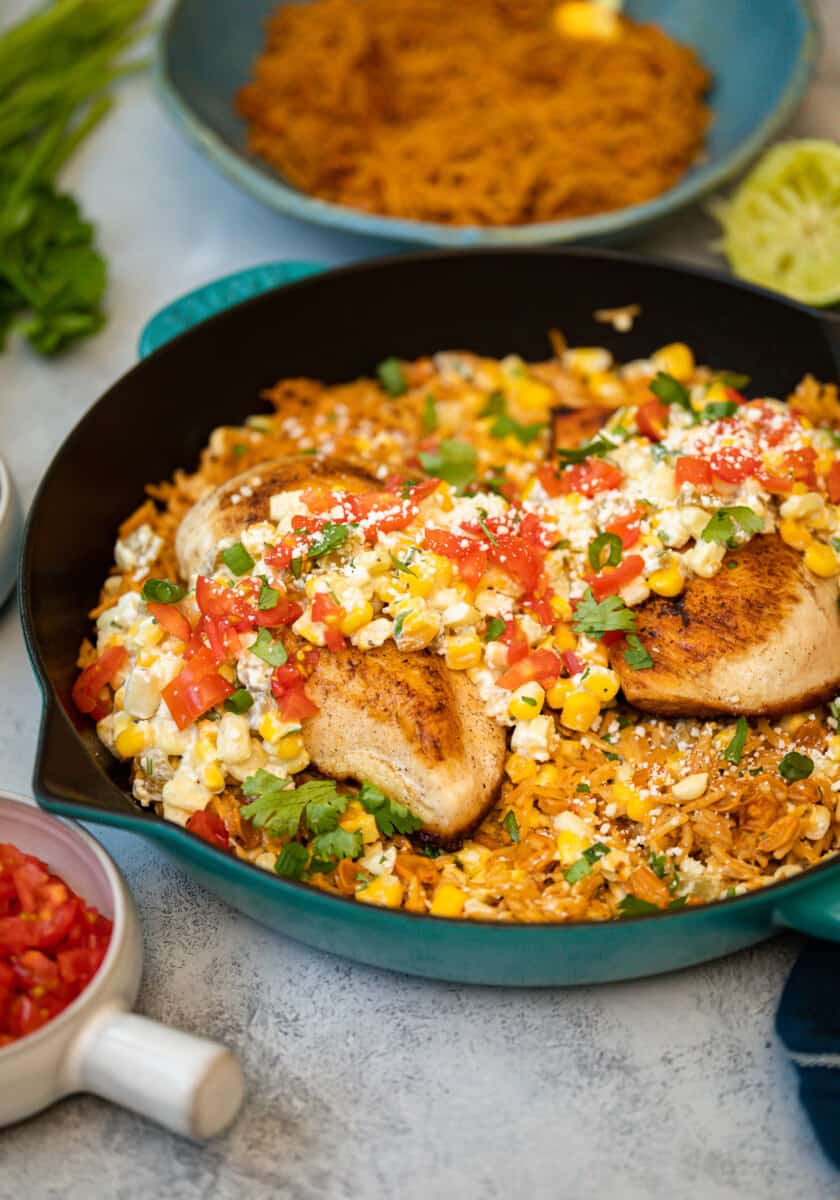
834, 709
671, 391
328, 539
430, 417
454, 461
276, 806
716, 410
271, 652
596, 448
391, 376
511, 825
735, 749
634, 906
583, 788
636, 656
680, 902
391, 816
495, 629
495, 406
430, 851
661, 453
594, 618
658, 863
795, 766
325, 807
291, 861
330, 847
721, 527
733, 379
163, 591
239, 449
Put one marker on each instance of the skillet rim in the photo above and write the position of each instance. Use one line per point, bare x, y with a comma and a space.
149, 824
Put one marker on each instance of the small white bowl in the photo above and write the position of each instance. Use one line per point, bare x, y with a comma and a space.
10, 530
188, 1084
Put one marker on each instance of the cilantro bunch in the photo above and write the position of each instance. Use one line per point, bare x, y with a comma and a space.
57, 68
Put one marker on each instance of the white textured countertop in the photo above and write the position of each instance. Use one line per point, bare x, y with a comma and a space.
361, 1083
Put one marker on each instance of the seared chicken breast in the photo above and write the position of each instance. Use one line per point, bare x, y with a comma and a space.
762, 636
403, 721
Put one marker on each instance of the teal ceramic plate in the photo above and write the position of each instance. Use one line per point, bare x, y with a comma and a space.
761, 53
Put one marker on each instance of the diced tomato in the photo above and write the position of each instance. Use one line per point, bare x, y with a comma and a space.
801, 465
171, 619
833, 483
217, 601
651, 420
280, 556
222, 638
540, 608
51, 944
734, 464
196, 689
325, 608
779, 484
285, 612
209, 826
693, 470
516, 642
467, 552
736, 397
88, 688
541, 665
319, 499
628, 528
587, 478
572, 663
287, 687
612, 579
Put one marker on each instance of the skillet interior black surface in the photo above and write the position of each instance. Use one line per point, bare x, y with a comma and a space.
335, 327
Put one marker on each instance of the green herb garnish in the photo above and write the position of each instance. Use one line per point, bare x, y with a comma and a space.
430, 417
239, 701
237, 559
716, 410
511, 825
391, 816
291, 861
269, 597
636, 656
721, 528
596, 448
795, 766
329, 538
735, 749
163, 591
328, 848
583, 866
634, 906
495, 629
671, 391
391, 376
403, 567
454, 461
583, 788
732, 379
595, 618
265, 647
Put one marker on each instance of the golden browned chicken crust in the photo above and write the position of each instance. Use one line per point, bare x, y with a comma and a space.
571, 426
412, 727
761, 637
403, 721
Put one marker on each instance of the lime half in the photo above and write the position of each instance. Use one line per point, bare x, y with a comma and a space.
782, 227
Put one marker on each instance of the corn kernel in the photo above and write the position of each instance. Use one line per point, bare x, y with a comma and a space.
605, 385
799, 488
227, 672
213, 778
623, 795
447, 901
355, 819
602, 684
463, 650
580, 710
638, 807
389, 588
559, 692
289, 746
146, 658
570, 846
518, 767
530, 394
133, 740
794, 721
526, 702
548, 776
598, 654
692, 787
834, 747
419, 627
272, 728
564, 638
675, 359
821, 560
384, 891
356, 617
569, 749
150, 634
668, 581
583, 19
561, 607
716, 393
586, 360
795, 535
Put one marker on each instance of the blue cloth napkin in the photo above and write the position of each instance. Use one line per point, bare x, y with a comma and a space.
808, 1023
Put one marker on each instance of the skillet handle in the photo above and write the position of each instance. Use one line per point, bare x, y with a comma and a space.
814, 910
203, 302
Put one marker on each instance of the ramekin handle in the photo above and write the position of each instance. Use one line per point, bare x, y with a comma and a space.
188, 1084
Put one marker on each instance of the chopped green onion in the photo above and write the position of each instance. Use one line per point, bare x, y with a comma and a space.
237, 559
795, 766
265, 647
495, 629
735, 749
162, 591
329, 538
269, 597
430, 417
239, 701
511, 825
391, 376
291, 861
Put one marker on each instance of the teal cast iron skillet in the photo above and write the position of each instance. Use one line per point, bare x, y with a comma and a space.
761, 54
336, 326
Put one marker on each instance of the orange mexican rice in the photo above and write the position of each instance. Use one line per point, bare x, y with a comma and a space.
520, 555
